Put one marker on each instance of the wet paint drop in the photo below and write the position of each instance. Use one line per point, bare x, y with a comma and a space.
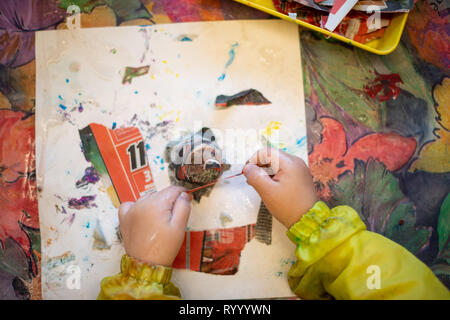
62, 106
114, 125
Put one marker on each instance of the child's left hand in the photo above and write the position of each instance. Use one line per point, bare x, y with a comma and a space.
153, 227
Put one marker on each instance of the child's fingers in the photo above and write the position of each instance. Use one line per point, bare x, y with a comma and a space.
268, 157
259, 179
166, 198
181, 210
123, 209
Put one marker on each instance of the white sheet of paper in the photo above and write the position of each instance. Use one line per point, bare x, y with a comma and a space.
86, 67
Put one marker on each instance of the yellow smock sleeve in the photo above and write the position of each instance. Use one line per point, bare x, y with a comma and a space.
139, 281
338, 258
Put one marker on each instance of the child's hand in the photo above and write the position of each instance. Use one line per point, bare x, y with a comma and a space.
153, 227
285, 185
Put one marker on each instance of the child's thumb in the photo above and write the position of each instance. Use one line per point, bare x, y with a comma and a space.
181, 210
123, 210
259, 179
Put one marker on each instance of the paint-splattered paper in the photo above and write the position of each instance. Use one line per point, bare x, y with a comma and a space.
165, 81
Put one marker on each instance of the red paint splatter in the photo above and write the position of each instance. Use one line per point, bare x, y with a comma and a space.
384, 87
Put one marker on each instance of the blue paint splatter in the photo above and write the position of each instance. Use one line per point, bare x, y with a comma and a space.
67, 80
60, 97
162, 161
162, 168
185, 38
157, 157
80, 108
232, 54
62, 106
136, 92
147, 146
114, 125
301, 142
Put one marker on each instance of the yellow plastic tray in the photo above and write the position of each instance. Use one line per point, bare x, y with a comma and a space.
382, 46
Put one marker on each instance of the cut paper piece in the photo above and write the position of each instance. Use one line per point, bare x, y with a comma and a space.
264, 225
195, 160
132, 72
121, 154
338, 13
247, 97
214, 251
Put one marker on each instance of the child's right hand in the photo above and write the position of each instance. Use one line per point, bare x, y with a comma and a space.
287, 190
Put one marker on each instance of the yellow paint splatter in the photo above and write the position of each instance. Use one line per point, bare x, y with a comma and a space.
178, 116
152, 77
273, 125
164, 61
165, 115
